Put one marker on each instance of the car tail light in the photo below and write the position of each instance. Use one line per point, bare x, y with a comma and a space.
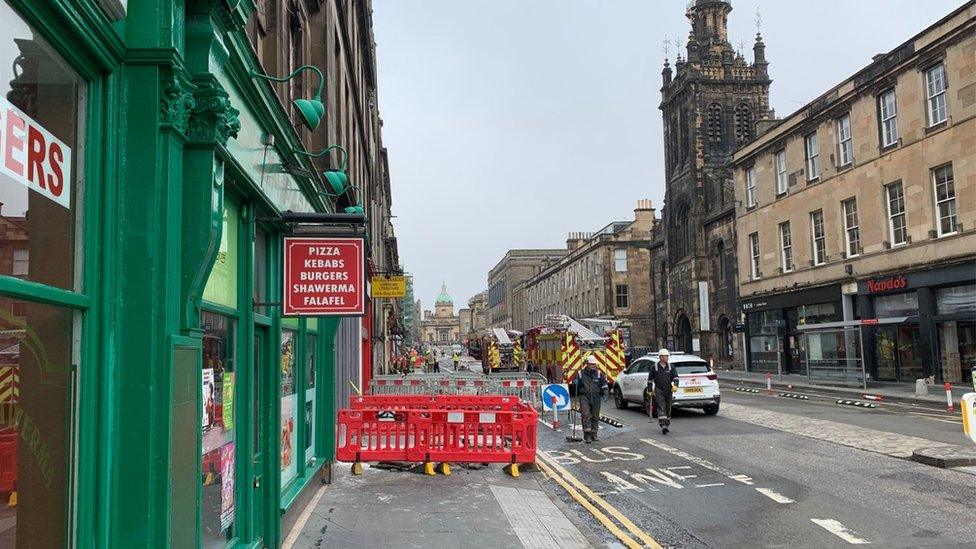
712, 376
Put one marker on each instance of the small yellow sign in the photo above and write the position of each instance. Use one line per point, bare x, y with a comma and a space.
394, 287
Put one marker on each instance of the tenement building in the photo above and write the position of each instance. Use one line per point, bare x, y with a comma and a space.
442, 326
603, 275
710, 104
509, 274
861, 207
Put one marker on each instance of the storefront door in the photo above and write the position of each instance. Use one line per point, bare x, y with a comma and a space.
259, 434
896, 348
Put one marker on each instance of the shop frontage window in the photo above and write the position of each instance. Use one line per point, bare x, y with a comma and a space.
889, 306
957, 336
41, 114
260, 293
222, 285
764, 341
311, 356
219, 451
289, 403
897, 353
36, 410
956, 300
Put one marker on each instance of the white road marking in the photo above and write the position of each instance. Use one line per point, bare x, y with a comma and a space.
778, 498
840, 531
709, 485
701, 462
941, 419
747, 480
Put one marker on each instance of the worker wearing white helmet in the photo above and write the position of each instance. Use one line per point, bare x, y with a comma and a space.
662, 382
591, 388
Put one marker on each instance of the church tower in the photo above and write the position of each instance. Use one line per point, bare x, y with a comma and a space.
710, 102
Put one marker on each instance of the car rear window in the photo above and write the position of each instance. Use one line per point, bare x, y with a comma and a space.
691, 367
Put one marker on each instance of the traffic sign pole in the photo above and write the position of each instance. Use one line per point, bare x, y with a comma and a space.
555, 413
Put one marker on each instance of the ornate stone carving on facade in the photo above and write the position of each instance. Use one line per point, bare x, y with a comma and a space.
213, 119
176, 100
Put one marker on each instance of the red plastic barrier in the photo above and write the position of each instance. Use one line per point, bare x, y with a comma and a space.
443, 428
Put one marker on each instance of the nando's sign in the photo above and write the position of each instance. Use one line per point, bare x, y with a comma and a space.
889, 284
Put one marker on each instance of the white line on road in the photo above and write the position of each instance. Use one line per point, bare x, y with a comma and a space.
709, 485
778, 498
840, 531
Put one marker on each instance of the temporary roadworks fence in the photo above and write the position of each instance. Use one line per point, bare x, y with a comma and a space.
439, 429
526, 386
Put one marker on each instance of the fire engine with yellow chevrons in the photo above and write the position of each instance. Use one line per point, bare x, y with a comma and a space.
559, 348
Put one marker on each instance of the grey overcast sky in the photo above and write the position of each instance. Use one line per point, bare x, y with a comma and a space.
511, 123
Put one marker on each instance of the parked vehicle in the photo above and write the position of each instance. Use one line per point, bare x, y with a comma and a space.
697, 383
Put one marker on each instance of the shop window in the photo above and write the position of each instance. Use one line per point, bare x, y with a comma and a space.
222, 285
311, 356
41, 104
260, 267
956, 300
289, 402
36, 414
218, 509
896, 305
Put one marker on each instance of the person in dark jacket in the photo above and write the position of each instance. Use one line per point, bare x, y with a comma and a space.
662, 382
591, 389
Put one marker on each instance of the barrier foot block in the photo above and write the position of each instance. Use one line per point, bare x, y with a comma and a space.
429, 468
444, 468
12, 502
357, 468
512, 469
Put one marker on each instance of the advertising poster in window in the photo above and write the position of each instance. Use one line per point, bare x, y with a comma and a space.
289, 468
208, 398
227, 485
227, 404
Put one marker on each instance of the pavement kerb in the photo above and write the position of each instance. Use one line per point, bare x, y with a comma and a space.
855, 394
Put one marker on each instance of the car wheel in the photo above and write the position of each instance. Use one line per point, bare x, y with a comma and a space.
711, 409
618, 399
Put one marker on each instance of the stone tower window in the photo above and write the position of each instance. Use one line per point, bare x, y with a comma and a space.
684, 135
714, 125
743, 123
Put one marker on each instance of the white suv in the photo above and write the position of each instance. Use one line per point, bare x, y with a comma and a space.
697, 383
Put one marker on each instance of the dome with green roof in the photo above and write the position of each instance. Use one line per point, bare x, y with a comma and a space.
444, 298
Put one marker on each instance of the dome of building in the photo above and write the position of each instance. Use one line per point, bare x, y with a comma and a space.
444, 298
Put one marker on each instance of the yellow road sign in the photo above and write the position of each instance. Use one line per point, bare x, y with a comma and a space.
394, 287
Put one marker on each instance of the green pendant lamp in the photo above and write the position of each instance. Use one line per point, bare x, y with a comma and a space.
311, 110
337, 180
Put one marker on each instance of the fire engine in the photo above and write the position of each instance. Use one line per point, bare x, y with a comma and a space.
559, 348
502, 350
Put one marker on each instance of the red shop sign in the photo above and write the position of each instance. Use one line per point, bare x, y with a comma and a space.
887, 284
324, 276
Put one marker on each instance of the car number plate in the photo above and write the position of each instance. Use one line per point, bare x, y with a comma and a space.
694, 390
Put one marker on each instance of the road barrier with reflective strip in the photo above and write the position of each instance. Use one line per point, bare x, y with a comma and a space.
526, 386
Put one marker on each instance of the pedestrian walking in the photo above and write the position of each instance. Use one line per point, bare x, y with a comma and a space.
456, 358
662, 382
591, 390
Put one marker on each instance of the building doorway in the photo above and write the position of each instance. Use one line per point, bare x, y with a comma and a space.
897, 353
683, 334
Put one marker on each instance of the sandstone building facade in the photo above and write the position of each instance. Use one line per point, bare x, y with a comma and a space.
506, 278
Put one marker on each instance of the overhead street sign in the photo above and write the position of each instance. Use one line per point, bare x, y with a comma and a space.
324, 276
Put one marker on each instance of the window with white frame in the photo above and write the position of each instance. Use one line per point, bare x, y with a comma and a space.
935, 90
845, 141
945, 200
812, 147
751, 187
852, 228
786, 246
620, 260
782, 181
21, 263
754, 253
888, 108
897, 226
818, 238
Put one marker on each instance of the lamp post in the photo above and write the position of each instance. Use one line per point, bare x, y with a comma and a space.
311, 110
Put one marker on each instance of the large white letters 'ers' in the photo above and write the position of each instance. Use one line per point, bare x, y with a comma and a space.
33, 157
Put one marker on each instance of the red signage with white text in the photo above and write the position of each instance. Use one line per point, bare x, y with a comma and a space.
32, 156
324, 276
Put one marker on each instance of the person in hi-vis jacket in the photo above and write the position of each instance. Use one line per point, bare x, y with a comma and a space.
662, 382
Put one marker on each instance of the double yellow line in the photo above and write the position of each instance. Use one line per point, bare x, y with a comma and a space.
591, 501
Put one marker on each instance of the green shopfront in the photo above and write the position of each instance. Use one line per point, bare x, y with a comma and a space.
151, 393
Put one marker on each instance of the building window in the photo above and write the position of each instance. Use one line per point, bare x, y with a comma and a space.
714, 127
743, 123
786, 245
897, 228
945, 200
289, 404
845, 141
754, 250
623, 299
818, 238
889, 118
852, 228
219, 451
782, 181
751, 187
812, 148
935, 88
21, 264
